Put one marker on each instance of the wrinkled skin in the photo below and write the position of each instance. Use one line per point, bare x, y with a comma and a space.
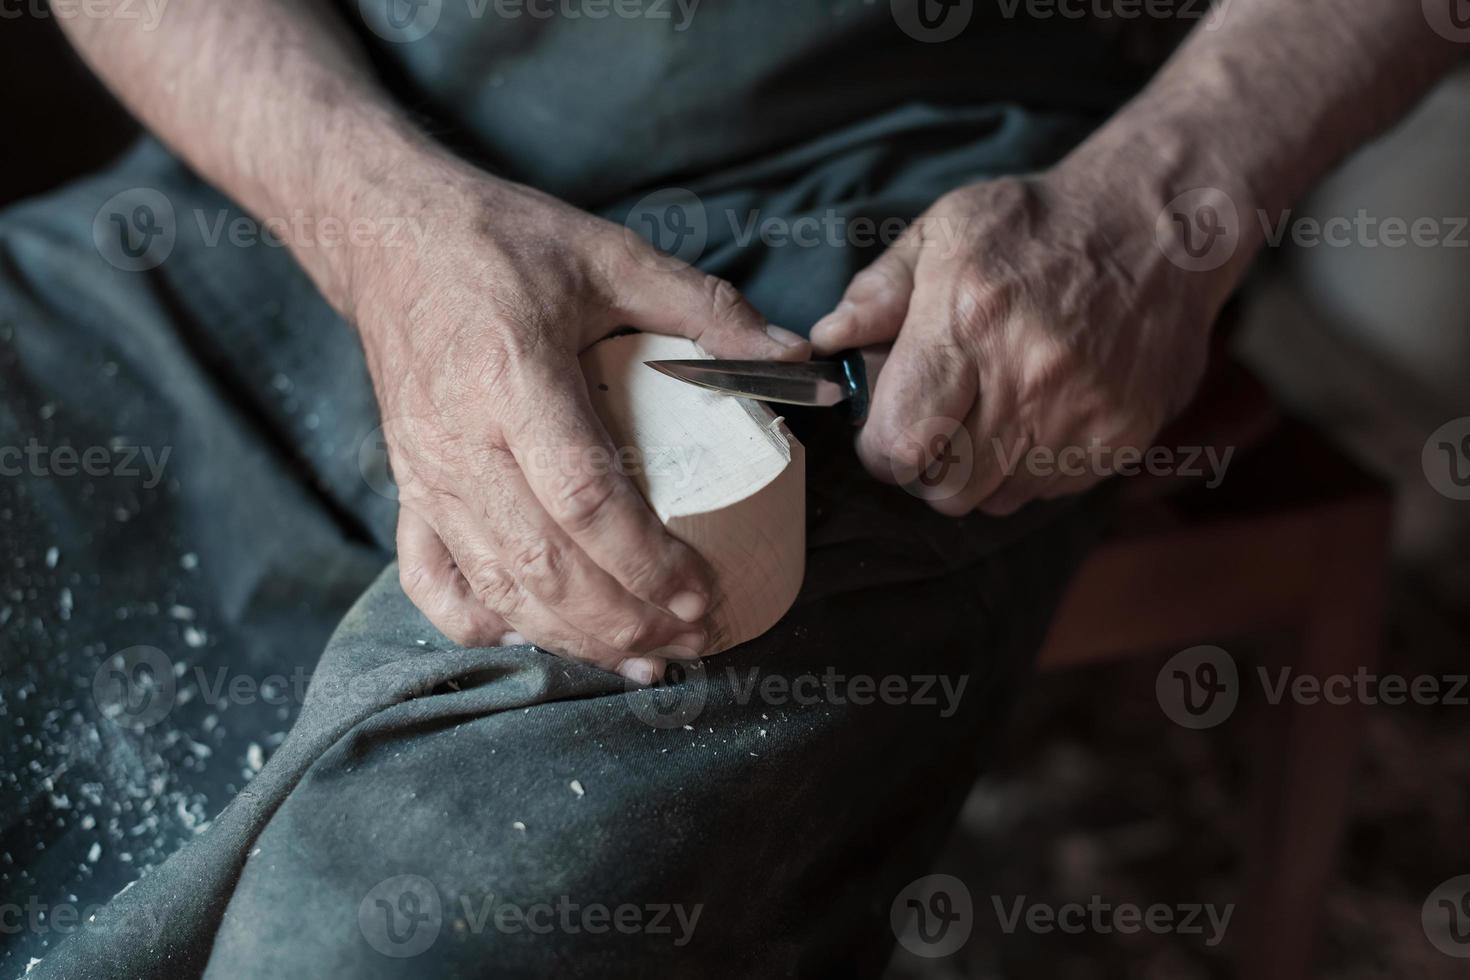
513, 527
1022, 313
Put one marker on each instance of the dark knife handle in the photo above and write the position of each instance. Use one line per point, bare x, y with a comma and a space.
855, 376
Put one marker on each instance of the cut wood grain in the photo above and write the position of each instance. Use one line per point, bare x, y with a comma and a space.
723, 474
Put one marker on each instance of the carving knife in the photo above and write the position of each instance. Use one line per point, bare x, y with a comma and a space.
839, 381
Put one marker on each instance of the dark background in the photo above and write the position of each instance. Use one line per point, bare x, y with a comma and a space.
59, 121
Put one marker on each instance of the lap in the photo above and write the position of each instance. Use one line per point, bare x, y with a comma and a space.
778, 799
820, 765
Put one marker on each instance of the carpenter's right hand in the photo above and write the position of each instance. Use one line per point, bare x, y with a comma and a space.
513, 527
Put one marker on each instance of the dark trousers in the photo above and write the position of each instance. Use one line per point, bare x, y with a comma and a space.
198, 509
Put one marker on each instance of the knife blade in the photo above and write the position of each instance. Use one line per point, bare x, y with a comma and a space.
842, 380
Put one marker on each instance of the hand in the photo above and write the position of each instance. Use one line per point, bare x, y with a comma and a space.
513, 526
1025, 314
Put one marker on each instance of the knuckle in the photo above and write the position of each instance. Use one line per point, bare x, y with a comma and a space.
726, 304
540, 566
580, 500
905, 452
977, 304
494, 586
645, 574
632, 636
888, 439
879, 281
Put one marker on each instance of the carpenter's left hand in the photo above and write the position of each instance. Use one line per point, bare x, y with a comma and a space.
1036, 314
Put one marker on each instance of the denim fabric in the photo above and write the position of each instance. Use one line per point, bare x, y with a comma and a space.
423, 790
592, 108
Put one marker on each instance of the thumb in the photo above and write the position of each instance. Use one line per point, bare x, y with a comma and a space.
686, 302
875, 304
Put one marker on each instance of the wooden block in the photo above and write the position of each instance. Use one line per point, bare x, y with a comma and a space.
723, 474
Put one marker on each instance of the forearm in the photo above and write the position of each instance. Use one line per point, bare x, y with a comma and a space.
1262, 101
269, 100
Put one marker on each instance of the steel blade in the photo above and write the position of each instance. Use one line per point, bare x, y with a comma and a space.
817, 383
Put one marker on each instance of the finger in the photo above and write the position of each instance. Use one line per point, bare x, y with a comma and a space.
927, 382
642, 670
503, 525
873, 308
567, 459
433, 583
533, 622
1066, 467
964, 468
686, 302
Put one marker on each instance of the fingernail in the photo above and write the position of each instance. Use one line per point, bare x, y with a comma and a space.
784, 337
640, 670
693, 643
688, 606
512, 639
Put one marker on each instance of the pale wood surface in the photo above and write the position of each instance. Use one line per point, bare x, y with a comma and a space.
723, 474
